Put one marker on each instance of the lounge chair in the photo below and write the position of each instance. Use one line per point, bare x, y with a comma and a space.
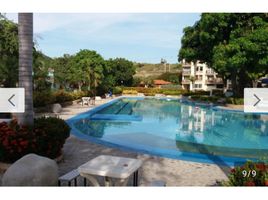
159, 95
98, 98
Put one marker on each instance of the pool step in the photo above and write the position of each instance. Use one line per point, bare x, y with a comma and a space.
128, 108
122, 107
116, 117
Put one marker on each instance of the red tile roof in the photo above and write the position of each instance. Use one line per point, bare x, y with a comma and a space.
161, 82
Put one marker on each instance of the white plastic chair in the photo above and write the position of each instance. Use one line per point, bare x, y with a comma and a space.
85, 100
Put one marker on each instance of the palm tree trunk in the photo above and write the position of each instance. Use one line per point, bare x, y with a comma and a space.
26, 65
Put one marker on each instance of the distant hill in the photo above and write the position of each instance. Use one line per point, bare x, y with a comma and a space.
147, 69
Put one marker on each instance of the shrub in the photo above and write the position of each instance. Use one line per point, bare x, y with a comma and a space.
62, 96
78, 94
51, 134
130, 92
172, 92
43, 98
15, 141
236, 101
117, 90
46, 138
250, 174
172, 87
218, 92
153, 91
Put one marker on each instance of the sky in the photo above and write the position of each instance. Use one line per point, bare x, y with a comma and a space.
136, 37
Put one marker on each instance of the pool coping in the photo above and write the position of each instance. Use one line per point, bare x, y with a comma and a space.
183, 155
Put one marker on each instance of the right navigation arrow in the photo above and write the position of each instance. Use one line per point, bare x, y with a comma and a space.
257, 98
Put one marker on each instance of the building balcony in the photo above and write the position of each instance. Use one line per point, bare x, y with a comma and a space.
214, 81
186, 72
186, 65
209, 72
198, 81
198, 72
185, 81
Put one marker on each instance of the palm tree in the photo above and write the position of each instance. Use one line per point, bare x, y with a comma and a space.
26, 65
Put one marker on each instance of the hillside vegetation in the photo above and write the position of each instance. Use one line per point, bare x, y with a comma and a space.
147, 69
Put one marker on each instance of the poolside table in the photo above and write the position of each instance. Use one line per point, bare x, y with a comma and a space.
111, 167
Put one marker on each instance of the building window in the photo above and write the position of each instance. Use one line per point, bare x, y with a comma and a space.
197, 85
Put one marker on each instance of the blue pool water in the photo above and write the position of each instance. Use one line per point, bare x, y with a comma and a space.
169, 128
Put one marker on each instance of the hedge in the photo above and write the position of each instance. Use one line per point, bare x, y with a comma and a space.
45, 138
236, 101
130, 92
117, 90
152, 91
45, 98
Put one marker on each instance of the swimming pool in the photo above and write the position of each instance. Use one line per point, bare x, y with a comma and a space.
167, 127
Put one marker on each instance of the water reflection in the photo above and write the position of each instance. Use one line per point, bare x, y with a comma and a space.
181, 126
96, 128
222, 132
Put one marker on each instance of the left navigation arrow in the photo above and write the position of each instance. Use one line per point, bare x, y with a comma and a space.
12, 100
9, 100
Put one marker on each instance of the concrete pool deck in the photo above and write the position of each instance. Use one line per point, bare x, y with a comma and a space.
174, 172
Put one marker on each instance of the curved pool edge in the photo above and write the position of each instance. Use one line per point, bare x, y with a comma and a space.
178, 155
181, 155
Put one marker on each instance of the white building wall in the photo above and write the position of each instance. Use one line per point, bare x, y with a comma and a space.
204, 77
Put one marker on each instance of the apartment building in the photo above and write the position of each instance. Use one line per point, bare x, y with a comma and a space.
198, 76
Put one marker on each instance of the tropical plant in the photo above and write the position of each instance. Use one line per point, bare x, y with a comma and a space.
45, 138
88, 69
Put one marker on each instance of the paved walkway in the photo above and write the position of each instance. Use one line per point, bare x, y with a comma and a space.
173, 172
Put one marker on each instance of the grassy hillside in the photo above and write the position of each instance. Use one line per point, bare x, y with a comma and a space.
147, 69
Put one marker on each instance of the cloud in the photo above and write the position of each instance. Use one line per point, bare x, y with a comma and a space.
146, 34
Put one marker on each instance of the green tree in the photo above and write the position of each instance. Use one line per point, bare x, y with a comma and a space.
136, 81
41, 66
108, 81
64, 75
122, 71
87, 68
234, 44
171, 77
9, 52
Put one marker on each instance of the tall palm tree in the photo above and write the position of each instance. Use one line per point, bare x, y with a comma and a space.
26, 65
